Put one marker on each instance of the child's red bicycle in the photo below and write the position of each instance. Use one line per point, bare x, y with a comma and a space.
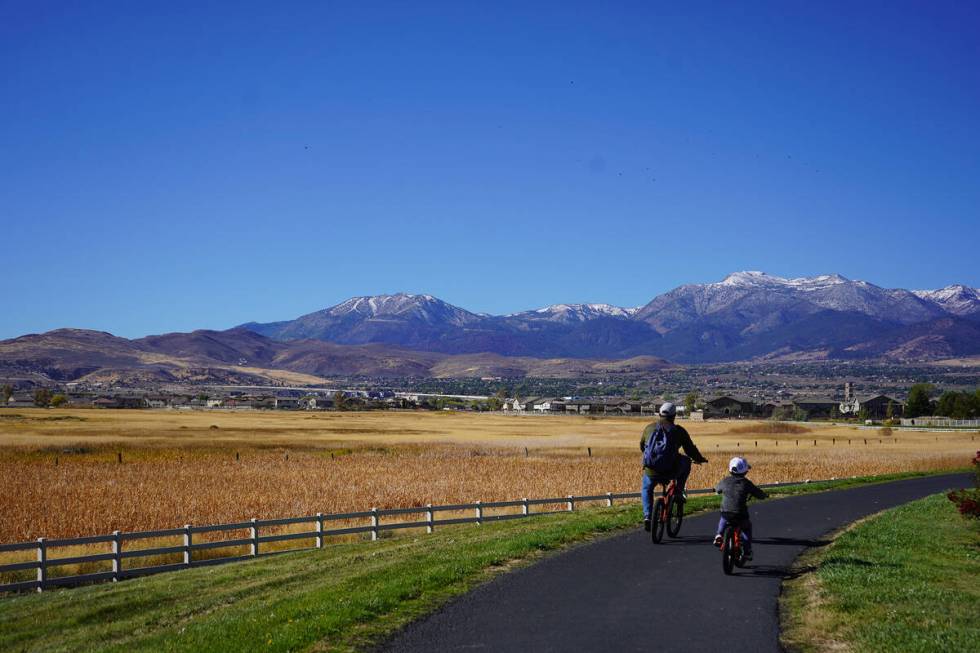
732, 550
667, 513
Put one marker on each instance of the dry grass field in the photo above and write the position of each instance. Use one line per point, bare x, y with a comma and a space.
60, 472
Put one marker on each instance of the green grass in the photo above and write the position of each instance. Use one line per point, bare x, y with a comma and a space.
343, 597
907, 580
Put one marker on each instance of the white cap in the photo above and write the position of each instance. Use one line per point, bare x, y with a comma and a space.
668, 409
738, 465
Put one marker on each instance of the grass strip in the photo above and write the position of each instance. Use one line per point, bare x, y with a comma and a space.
343, 597
906, 580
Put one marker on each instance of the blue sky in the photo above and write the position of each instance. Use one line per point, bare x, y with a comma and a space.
169, 167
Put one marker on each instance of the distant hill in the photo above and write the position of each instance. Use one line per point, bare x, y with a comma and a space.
747, 315
239, 356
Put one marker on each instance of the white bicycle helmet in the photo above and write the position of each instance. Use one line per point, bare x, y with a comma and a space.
738, 465
667, 409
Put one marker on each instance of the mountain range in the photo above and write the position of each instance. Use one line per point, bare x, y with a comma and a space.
746, 316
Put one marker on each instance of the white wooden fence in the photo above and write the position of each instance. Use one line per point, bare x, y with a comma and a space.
941, 422
119, 543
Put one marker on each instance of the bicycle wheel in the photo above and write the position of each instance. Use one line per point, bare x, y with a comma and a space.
728, 552
740, 558
657, 520
675, 516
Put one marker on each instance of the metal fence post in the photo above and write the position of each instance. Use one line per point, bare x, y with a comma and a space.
42, 568
116, 557
429, 518
609, 499
253, 532
525, 507
570, 503
319, 530
187, 545
479, 513
374, 524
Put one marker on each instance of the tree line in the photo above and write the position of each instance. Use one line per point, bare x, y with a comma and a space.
953, 404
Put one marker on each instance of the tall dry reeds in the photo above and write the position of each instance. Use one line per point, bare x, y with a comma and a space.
92, 493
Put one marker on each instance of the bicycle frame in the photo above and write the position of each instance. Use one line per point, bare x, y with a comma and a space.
732, 555
661, 510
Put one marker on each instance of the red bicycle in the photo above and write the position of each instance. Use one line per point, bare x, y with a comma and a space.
667, 513
732, 550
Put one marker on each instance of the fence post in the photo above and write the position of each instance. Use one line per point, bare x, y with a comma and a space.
374, 524
429, 518
319, 530
479, 513
253, 533
526, 507
570, 503
187, 545
42, 569
609, 499
116, 555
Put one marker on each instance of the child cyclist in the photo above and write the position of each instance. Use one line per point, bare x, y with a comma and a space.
735, 491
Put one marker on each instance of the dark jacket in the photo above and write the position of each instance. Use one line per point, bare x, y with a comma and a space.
680, 438
735, 492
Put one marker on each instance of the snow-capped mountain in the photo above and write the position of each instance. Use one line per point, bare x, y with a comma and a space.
745, 315
575, 312
421, 307
402, 318
756, 296
956, 299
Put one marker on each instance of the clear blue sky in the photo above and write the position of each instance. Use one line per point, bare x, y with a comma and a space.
165, 166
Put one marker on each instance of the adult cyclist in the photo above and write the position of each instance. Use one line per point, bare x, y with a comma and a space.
666, 462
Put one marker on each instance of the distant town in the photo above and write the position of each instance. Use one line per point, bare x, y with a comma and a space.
843, 403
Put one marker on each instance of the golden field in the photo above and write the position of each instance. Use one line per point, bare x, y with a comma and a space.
60, 475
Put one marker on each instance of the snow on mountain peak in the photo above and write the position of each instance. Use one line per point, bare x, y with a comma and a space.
425, 307
577, 312
957, 299
755, 279
747, 278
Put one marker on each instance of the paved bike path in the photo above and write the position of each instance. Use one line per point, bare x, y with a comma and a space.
626, 594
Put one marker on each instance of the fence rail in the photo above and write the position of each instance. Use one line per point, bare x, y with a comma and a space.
43, 546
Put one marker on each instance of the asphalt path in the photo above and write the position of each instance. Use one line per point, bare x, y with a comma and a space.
624, 593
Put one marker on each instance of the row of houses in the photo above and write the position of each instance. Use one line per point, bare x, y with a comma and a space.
876, 406
725, 406
584, 406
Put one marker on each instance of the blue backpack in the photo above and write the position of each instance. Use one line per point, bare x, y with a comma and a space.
659, 454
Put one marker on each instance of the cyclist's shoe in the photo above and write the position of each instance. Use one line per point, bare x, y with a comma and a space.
681, 498
748, 554
718, 540
646, 524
